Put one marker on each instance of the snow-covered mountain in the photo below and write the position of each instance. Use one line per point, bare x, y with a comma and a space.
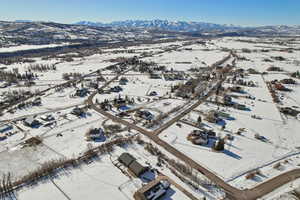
184, 26
24, 32
162, 24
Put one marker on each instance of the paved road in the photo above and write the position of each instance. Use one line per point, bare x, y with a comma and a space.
153, 136
232, 192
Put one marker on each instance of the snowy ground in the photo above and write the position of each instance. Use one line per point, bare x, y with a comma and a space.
26, 47
100, 175
243, 154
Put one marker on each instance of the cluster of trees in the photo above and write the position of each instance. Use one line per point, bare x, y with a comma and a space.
158, 120
6, 186
149, 67
219, 145
41, 67
162, 116
127, 61
36, 102
61, 87
151, 148
68, 56
49, 168
184, 172
245, 50
111, 129
15, 95
296, 74
190, 175
14, 76
104, 148
12, 98
71, 75
12, 60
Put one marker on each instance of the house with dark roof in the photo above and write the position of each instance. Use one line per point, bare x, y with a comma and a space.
77, 111
129, 161
5, 128
31, 122
137, 168
81, 92
126, 159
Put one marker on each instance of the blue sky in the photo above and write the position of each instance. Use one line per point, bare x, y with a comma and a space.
238, 12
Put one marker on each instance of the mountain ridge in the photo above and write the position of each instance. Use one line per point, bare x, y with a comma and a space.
187, 26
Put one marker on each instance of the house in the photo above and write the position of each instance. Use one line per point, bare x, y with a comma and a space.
31, 122
179, 76
260, 137
155, 76
153, 93
3, 136
227, 100
4, 84
273, 68
223, 115
77, 111
289, 111
105, 106
126, 159
288, 81
130, 162
123, 81
236, 89
96, 133
153, 190
116, 89
144, 114
120, 102
279, 86
93, 84
47, 118
137, 168
81, 92
240, 106
169, 77
198, 137
123, 114
37, 102
212, 116
5, 128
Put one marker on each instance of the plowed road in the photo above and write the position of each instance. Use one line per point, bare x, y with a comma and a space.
232, 192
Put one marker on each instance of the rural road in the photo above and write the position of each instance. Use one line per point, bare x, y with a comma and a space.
232, 192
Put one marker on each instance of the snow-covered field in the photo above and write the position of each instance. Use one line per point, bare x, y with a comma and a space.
66, 138
26, 47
